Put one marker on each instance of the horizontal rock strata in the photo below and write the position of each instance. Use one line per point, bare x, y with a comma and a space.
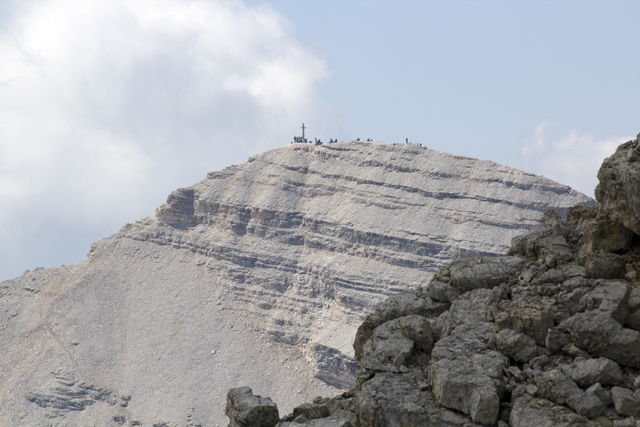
260, 274
545, 336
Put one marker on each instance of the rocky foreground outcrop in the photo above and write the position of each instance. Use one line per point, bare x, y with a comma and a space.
547, 336
260, 274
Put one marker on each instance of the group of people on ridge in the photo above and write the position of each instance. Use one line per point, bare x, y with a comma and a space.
301, 140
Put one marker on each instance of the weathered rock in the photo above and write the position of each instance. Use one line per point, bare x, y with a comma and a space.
553, 275
590, 406
633, 320
608, 298
625, 402
535, 412
64, 392
388, 349
179, 208
398, 400
321, 422
418, 330
602, 336
547, 238
441, 291
551, 314
574, 272
393, 343
627, 422
591, 371
606, 235
603, 394
344, 406
556, 340
310, 411
402, 304
470, 385
333, 366
605, 265
555, 246
516, 345
558, 387
532, 318
577, 215
557, 299
572, 300
634, 299
466, 373
618, 190
482, 272
246, 410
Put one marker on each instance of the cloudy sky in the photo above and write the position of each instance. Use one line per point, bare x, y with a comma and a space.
106, 106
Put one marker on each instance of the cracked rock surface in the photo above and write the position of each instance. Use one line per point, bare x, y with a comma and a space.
260, 275
545, 336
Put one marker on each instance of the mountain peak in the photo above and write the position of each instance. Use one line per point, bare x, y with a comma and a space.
259, 274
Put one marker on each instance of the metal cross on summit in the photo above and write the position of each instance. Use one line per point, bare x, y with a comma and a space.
303, 128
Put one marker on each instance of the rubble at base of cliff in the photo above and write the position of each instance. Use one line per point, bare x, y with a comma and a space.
547, 336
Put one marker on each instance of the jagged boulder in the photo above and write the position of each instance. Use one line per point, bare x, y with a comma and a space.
414, 302
547, 239
404, 400
388, 349
482, 272
466, 371
556, 386
323, 412
625, 402
310, 411
535, 412
602, 336
591, 371
244, 409
618, 190
519, 347
606, 235
610, 298
528, 316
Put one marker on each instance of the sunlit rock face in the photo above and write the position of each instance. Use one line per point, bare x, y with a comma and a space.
258, 275
546, 336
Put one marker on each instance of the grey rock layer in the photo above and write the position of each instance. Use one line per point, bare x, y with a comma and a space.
541, 337
260, 274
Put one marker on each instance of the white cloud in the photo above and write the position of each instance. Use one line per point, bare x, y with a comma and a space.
108, 105
572, 159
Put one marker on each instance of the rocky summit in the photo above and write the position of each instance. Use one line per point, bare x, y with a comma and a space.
261, 274
546, 336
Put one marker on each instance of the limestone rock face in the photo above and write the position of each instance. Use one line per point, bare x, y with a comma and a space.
546, 336
260, 275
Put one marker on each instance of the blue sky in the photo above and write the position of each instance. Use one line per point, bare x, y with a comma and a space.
107, 106
476, 77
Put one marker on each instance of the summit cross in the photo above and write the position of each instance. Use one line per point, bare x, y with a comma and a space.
303, 128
